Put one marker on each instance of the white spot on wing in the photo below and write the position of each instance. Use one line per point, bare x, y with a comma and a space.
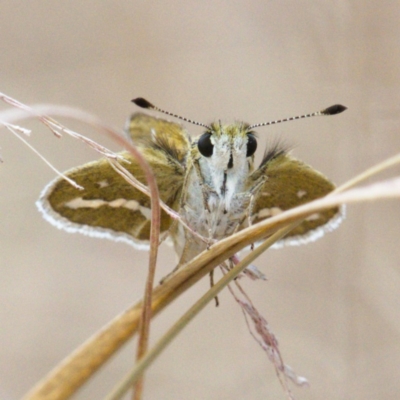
103, 183
301, 194
269, 212
153, 134
133, 205
313, 217
80, 203
118, 203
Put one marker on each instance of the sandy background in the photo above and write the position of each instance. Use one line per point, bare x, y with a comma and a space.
332, 304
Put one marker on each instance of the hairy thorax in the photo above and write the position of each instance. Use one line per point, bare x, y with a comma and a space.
216, 203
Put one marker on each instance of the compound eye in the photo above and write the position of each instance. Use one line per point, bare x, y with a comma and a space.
251, 144
204, 144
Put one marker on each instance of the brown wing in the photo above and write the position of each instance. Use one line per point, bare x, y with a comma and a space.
147, 131
109, 206
291, 183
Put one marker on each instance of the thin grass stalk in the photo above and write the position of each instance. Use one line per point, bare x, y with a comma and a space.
122, 387
66, 378
144, 329
122, 327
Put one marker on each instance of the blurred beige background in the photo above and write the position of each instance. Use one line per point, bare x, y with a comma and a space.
333, 304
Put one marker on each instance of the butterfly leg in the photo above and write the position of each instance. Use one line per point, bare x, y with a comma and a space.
207, 191
211, 285
251, 194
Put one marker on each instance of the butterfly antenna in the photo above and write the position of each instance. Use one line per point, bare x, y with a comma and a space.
332, 110
143, 103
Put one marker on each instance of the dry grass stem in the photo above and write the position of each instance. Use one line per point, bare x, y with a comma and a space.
77, 368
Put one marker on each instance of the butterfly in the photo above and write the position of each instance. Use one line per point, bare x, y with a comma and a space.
211, 181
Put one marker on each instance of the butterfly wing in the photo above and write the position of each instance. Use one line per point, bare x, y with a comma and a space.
109, 206
291, 183
149, 132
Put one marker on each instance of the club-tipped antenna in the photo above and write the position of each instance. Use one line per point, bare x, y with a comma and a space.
143, 103
332, 110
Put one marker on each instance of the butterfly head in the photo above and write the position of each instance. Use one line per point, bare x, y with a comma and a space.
227, 146
225, 155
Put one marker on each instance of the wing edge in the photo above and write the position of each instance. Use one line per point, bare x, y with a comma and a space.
63, 223
314, 234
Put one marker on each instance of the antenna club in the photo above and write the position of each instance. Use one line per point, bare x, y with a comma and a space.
143, 103
333, 110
